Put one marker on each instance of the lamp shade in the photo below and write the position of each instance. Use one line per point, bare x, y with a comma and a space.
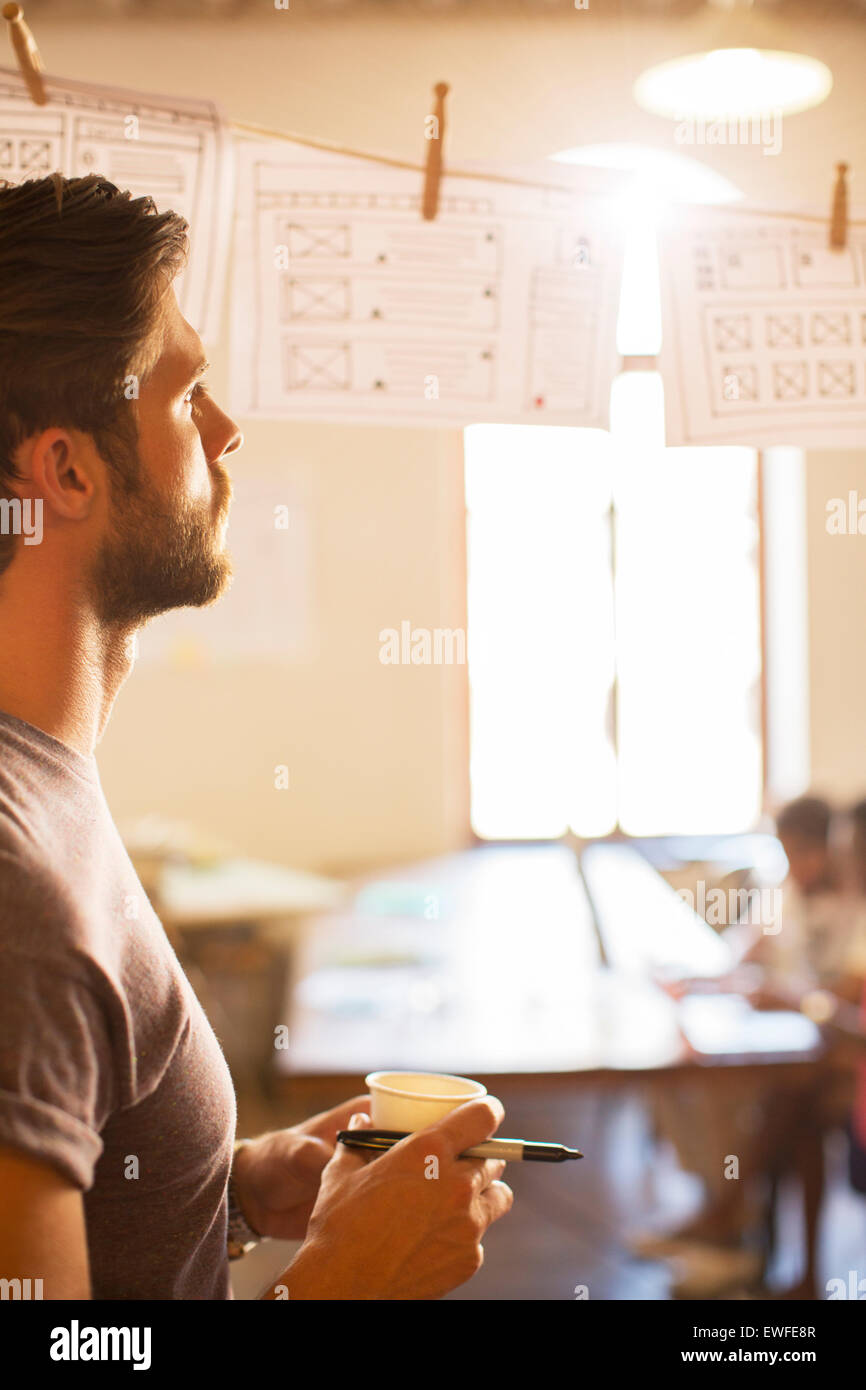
733, 82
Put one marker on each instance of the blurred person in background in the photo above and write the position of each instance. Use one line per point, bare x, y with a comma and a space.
821, 941
817, 942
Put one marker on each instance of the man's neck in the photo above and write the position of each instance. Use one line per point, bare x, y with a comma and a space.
60, 669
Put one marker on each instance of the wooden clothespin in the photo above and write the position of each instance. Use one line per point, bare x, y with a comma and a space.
433, 165
839, 215
29, 60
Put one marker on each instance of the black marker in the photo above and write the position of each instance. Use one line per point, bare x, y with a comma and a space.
510, 1150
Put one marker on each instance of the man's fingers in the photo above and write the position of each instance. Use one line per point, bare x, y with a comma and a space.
469, 1124
484, 1171
495, 1201
493, 1170
311, 1155
347, 1159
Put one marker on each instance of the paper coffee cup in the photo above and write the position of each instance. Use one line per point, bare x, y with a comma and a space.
410, 1100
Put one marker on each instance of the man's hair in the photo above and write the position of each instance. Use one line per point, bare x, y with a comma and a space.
809, 816
83, 271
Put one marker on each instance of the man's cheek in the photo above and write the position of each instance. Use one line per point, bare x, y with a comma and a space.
190, 468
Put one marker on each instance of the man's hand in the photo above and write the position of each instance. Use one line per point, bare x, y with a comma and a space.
407, 1224
276, 1177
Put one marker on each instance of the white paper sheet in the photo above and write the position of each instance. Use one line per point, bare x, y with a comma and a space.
347, 306
764, 331
174, 149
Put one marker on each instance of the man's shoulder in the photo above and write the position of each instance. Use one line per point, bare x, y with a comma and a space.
25, 834
26, 873
40, 916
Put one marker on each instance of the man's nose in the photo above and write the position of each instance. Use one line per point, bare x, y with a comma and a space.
225, 436
236, 441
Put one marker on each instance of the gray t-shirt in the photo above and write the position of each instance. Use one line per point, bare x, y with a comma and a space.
109, 1069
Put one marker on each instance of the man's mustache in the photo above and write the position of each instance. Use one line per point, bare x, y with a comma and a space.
222, 490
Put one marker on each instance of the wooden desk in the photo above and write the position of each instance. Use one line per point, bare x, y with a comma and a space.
507, 979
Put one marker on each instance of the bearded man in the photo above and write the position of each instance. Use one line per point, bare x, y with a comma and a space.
119, 1173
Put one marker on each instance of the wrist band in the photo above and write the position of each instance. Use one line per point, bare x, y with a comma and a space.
241, 1237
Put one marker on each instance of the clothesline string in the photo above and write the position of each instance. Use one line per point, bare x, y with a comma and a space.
288, 137
291, 138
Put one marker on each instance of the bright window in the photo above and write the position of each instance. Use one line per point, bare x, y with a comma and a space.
612, 684
540, 642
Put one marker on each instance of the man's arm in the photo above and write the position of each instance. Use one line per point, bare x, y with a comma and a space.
42, 1230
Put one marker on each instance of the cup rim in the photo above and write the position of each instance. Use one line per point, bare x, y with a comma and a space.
373, 1082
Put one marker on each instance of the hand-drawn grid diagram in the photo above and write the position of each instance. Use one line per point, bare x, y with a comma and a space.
380, 286
175, 151
764, 331
770, 333
751, 362
364, 304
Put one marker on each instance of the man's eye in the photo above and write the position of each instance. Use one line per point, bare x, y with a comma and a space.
195, 393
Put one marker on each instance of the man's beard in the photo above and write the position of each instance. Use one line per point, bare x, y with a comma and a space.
159, 555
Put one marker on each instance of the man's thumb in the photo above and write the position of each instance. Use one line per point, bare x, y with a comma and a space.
345, 1157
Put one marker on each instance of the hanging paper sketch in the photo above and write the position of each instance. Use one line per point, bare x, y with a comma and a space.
347, 306
764, 331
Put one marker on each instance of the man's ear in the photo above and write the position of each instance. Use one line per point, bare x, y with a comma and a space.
65, 470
